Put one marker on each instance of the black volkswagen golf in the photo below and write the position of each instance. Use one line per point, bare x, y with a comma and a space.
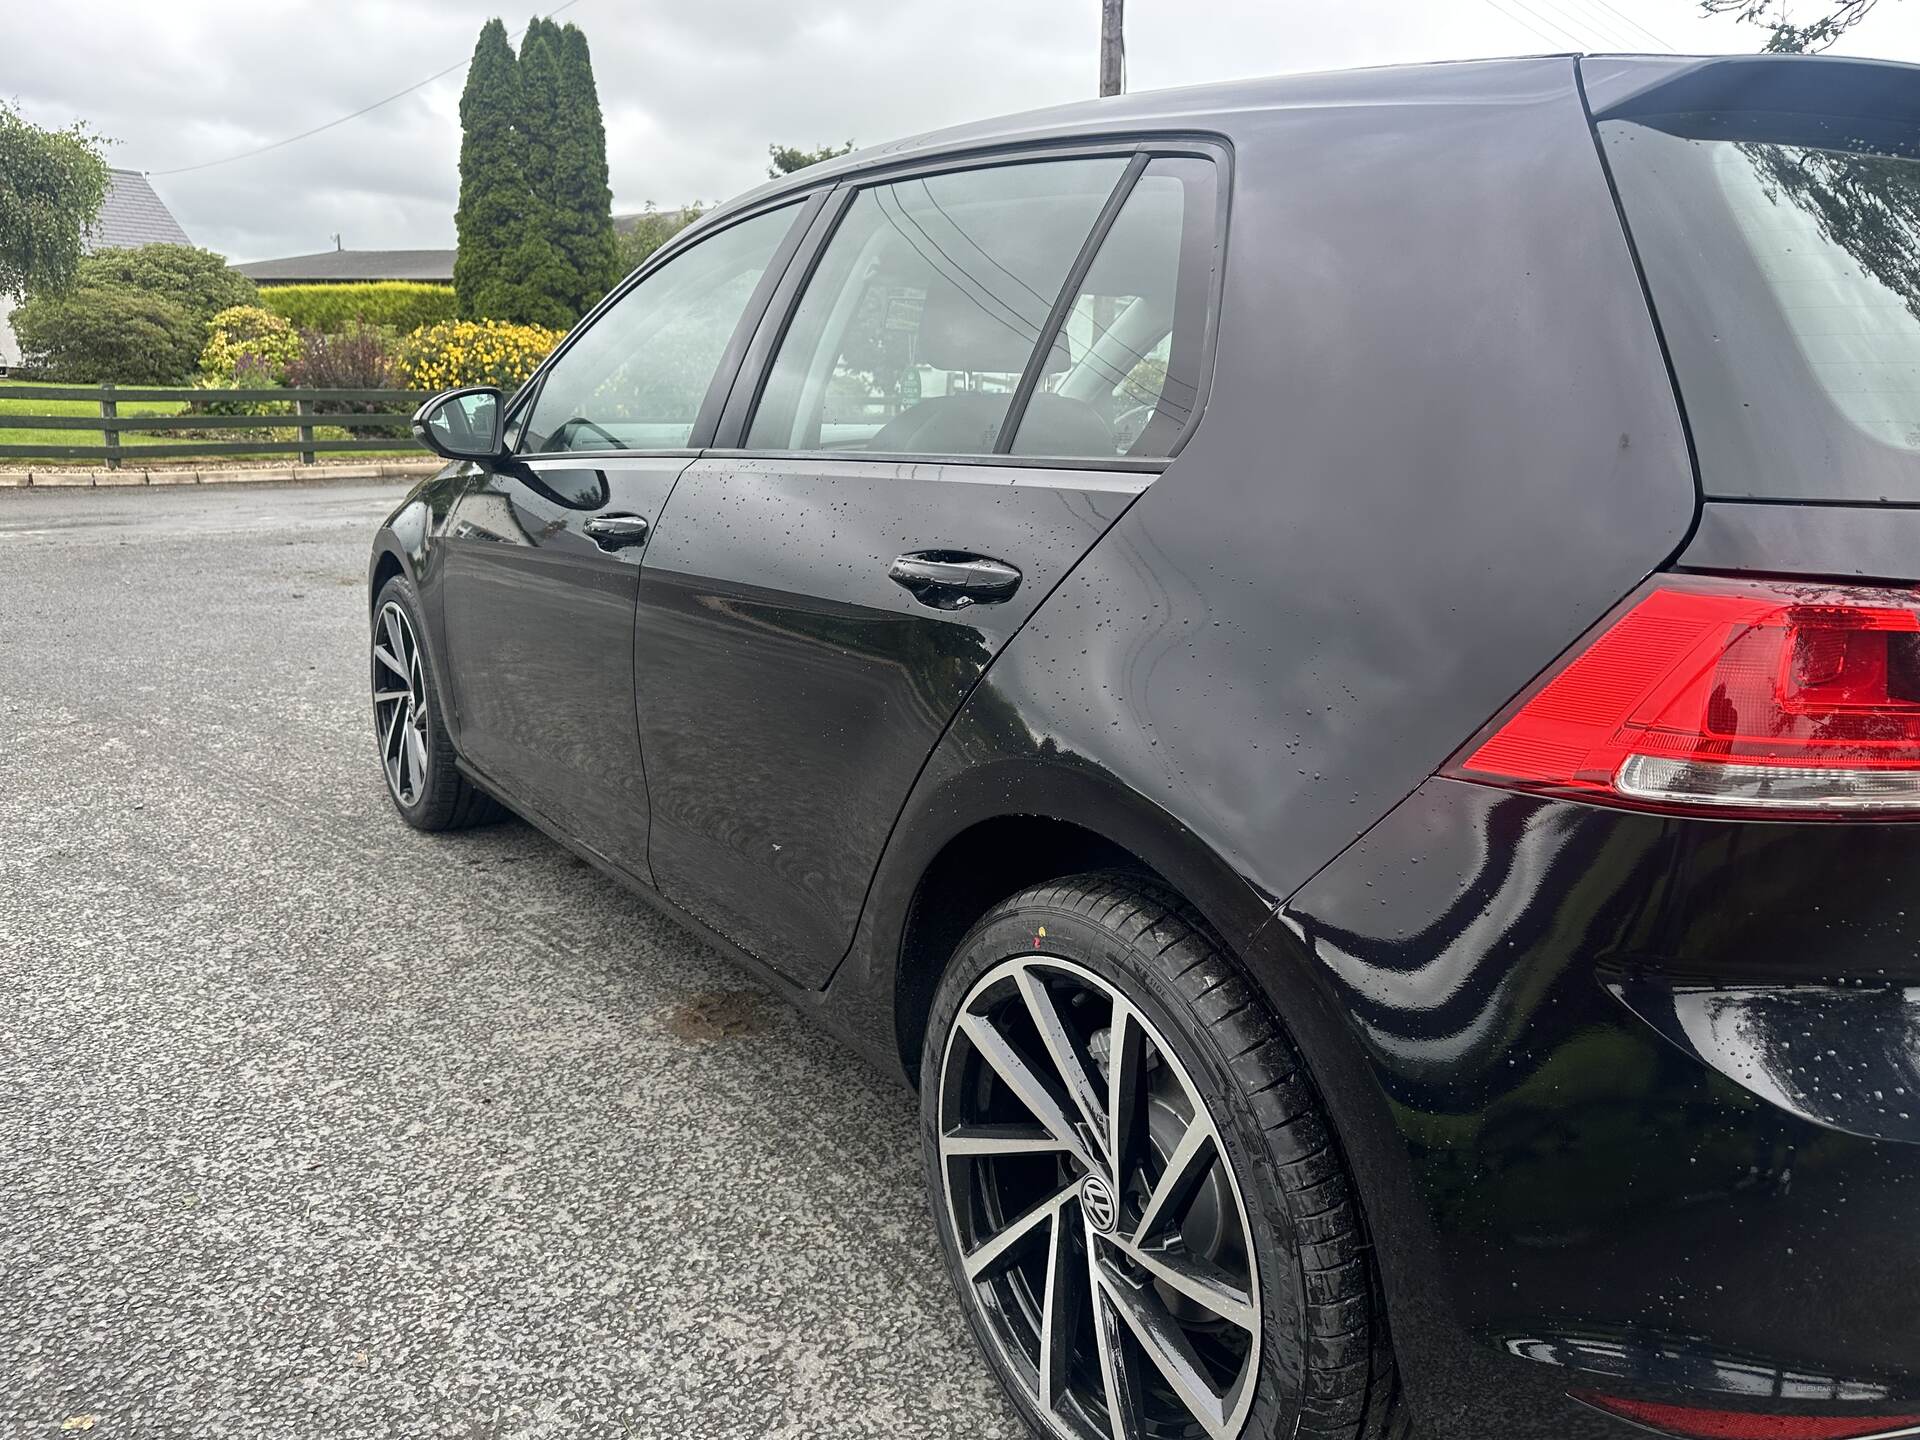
1331, 668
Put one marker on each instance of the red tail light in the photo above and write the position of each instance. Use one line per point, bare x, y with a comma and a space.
1727, 695
1694, 1424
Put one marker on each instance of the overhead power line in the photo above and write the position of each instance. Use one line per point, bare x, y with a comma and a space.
355, 115
1556, 41
1652, 35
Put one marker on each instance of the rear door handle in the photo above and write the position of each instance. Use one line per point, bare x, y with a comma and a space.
953, 579
616, 532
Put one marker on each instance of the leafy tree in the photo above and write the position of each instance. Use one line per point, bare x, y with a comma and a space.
196, 280
52, 183
1786, 38
496, 205
650, 230
1868, 205
90, 334
786, 159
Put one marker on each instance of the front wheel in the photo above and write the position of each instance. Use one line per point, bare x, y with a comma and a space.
416, 756
1135, 1188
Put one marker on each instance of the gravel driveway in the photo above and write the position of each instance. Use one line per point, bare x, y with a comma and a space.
311, 1125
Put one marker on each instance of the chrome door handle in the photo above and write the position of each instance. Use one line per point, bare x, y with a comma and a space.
953, 580
616, 532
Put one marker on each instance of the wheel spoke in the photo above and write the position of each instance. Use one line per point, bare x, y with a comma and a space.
1204, 1284
1047, 1105
396, 637
387, 658
1126, 1096
977, 1140
382, 696
1060, 1309
1009, 1244
388, 747
1165, 1344
1068, 1055
1124, 1410
1186, 1168
417, 756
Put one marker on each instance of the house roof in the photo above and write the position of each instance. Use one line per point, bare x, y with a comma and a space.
133, 215
338, 266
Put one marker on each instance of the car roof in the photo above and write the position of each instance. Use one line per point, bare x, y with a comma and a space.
1221, 107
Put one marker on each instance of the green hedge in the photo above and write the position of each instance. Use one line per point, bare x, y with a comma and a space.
402, 305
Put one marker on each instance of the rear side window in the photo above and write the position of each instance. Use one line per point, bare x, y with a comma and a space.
926, 307
1135, 338
1783, 255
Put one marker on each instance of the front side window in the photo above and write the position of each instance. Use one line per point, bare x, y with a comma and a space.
925, 308
636, 380
1135, 339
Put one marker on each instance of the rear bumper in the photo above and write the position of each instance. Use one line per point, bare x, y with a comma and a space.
1635, 1110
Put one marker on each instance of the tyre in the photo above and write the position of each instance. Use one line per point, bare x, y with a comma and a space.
1136, 1189
416, 755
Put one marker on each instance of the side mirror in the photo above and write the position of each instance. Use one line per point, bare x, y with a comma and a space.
462, 424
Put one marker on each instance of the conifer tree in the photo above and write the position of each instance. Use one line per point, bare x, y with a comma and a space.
580, 173
493, 217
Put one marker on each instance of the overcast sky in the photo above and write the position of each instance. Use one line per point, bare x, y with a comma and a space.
693, 90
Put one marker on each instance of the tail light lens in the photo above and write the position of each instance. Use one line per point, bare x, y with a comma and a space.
1694, 1424
1727, 695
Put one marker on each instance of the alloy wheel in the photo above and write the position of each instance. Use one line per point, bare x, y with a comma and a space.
1101, 1230
400, 704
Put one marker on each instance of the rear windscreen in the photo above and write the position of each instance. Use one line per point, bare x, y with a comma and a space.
1783, 255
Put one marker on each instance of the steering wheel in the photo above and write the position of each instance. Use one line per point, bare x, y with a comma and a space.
1130, 424
613, 441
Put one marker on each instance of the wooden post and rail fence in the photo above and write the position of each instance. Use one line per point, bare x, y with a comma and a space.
391, 409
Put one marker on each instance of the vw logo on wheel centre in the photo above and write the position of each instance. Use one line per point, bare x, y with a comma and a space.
1096, 1198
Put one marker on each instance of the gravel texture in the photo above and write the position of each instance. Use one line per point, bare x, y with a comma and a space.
311, 1125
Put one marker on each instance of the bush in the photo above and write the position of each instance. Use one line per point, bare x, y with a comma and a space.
354, 359
649, 230
198, 281
472, 352
91, 335
249, 346
399, 305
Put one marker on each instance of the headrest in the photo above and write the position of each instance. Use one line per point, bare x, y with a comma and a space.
967, 329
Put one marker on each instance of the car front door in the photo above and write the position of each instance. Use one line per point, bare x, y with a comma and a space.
543, 551
943, 430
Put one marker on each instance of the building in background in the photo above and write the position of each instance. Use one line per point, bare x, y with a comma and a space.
340, 266
132, 214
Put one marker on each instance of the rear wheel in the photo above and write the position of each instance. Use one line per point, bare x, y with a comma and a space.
1135, 1188
416, 756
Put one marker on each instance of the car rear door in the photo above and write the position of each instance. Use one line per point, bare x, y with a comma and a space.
936, 420
543, 550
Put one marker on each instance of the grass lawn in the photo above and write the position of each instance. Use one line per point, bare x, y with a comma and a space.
19, 435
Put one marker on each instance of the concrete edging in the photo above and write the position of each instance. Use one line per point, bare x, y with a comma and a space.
50, 476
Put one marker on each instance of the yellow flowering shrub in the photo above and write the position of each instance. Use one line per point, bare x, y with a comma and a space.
249, 347
472, 352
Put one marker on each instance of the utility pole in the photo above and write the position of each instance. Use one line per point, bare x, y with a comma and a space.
1113, 47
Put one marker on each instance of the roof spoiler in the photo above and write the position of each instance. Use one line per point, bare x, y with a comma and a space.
1626, 88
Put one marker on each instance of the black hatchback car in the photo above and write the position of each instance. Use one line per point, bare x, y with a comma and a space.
1332, 668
